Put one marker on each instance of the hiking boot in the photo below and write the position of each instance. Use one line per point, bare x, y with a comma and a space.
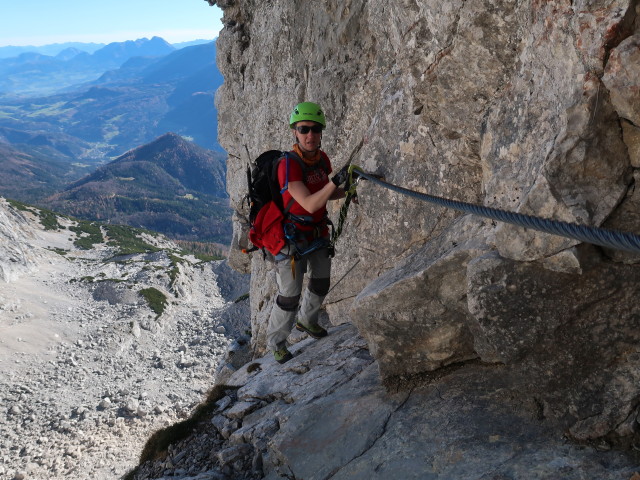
316, 331
282, 355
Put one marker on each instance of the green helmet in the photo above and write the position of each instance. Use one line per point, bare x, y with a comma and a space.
307, 111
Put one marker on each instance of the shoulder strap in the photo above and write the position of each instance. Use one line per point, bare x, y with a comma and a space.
287, 156
286, 175
303, 166
288, 207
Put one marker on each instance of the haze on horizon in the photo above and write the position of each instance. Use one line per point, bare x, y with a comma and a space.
42, 22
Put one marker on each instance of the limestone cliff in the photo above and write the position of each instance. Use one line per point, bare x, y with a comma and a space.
17, 256
528, 106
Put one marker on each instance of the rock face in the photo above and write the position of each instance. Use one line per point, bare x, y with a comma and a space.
527, 106
16, 257
512, 105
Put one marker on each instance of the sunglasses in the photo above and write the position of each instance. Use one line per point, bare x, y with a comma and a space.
304, 129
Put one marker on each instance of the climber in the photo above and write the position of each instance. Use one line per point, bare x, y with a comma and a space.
306, 225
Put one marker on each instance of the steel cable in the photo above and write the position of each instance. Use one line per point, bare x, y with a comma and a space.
599, 236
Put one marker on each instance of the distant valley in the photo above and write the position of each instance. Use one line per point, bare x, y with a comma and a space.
102, 112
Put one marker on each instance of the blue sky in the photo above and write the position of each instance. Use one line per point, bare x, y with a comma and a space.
42, 22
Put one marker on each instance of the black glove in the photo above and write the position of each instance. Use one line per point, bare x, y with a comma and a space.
341, 177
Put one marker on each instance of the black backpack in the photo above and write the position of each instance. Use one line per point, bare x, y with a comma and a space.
262, 182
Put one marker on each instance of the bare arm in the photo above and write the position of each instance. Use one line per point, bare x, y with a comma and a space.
313, 202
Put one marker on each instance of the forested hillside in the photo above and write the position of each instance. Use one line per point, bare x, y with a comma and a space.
170, 186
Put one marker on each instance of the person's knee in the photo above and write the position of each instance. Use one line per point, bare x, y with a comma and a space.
288, 304
319, 286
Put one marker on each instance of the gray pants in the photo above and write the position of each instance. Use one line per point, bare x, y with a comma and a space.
318, 264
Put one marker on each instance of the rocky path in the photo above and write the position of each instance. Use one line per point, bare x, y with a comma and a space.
325, 415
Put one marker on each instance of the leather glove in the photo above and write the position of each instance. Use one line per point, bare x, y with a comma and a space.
341, 177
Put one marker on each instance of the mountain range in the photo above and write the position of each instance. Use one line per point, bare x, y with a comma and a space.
65, 150
33, 72
123, 108
54, 49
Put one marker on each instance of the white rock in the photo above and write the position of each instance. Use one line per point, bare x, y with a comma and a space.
132, 405
135, 330
142, 412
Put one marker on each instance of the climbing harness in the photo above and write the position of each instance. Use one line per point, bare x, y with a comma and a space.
599, 236
291, 233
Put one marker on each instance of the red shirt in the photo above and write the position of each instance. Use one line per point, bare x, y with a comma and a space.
316, 179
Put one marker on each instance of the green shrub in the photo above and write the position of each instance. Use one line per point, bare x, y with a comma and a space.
156, 300
49, 220
19, 206
88, 234
127, 240
174, 270
203, 251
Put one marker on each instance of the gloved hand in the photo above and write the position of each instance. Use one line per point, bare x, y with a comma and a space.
341, 177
